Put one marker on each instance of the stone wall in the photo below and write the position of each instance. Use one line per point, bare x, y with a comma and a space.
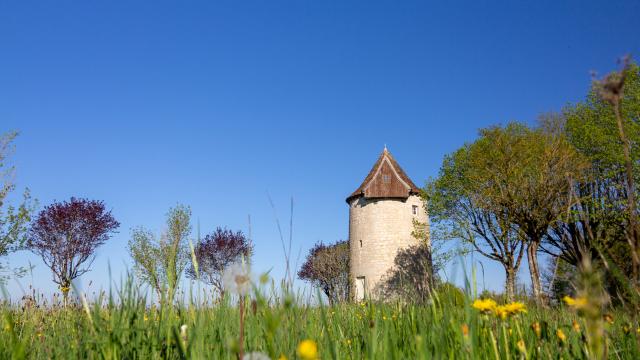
378, 228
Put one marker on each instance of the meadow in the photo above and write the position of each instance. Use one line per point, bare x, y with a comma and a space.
124, 324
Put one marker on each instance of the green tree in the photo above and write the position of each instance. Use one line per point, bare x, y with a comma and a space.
606, 129
14, 219
540, 192
160, 262
461, 202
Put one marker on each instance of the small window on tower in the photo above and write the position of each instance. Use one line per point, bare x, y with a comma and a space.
386, 179
415, 209
360, 243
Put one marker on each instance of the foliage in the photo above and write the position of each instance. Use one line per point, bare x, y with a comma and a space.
161, 262
411, 277
66, 235
14, 220
125, 326
559, 279
327, 267
598, 224
217, 251
464, 202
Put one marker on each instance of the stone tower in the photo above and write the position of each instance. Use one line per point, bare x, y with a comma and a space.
381, 220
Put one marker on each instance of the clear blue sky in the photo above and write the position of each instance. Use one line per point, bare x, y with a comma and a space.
215, 103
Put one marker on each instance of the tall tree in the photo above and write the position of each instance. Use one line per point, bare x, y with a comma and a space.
13, 219
217, 251
327, 267
66, 235
460, 200
598, 225
160, 262
540, 192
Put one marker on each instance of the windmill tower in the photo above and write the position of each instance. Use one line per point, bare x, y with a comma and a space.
382, 212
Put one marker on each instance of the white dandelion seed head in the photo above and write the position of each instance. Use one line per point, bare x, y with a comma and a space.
256, 356
237, 278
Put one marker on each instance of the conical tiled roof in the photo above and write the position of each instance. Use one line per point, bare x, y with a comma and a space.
385, 180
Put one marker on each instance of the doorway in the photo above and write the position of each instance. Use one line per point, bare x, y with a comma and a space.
360, 288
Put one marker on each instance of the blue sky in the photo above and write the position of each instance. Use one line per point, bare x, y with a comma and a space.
216, 104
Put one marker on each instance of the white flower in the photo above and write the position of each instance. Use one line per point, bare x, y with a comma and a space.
237, 278
256, 356
183, 332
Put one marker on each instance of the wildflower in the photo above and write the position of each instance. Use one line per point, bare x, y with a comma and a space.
465, 330
237, 278
626, 329
576, 326
608, 318
484, 306
515, 308
521, 346
576, 303
308, 350
255, 356
145, 318
183, 332
561, 336
536, 328
282, 357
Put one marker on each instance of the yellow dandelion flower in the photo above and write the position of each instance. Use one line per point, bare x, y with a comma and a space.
308, 350
521, 346
577, 302
501, 312
484, 305
465, 330
536, 328
515, 308
576, 326
282, 357
561, 336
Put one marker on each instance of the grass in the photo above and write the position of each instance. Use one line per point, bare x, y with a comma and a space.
123, 325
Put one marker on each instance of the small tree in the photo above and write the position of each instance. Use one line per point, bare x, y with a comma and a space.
66, 235
161, 262
327, 267
215, 252
13, 220
412, 276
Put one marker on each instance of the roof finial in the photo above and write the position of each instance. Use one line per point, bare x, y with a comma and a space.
385, 147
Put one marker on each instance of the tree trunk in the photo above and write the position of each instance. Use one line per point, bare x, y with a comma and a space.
510, 284
534, 270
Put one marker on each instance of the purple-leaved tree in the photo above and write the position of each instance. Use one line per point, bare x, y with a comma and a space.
66, 235
215, 252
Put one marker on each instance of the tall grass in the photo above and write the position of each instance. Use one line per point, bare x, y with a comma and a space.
123, 324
